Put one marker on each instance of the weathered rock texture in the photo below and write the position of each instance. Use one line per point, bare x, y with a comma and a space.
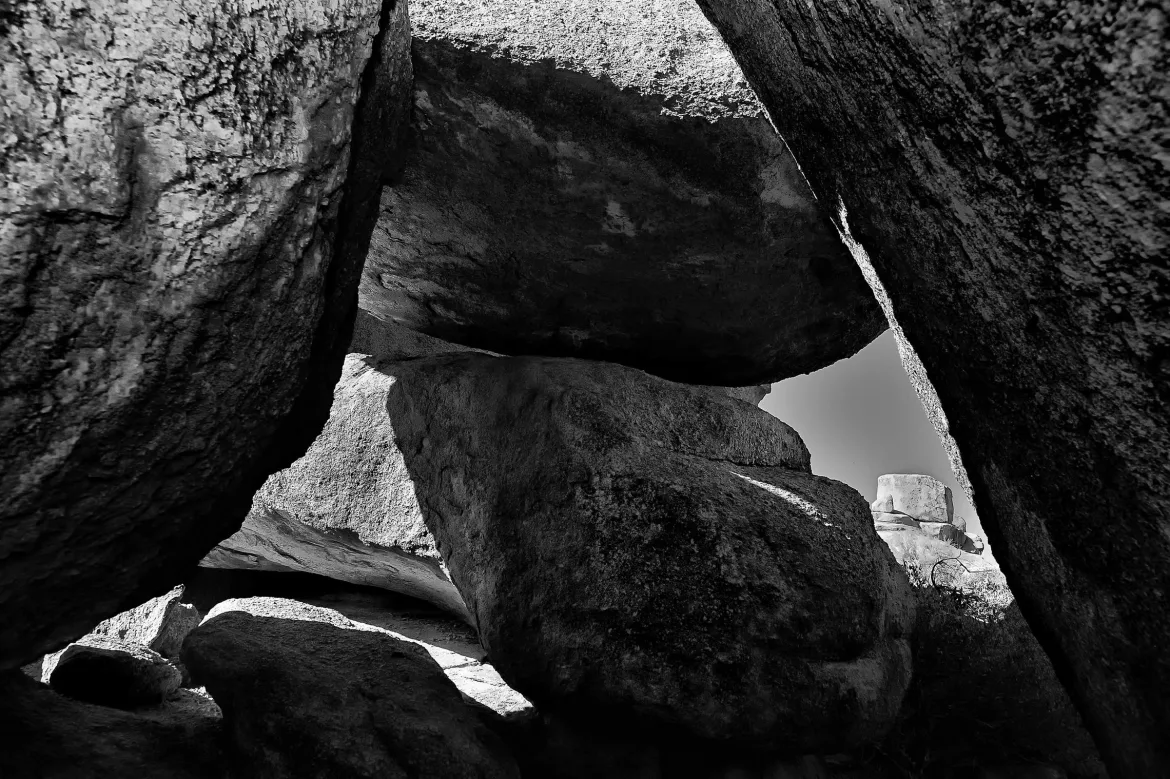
305, 698
1003, 166
923, 497
597, 180
47, 736
160, 624
111, 672
635, 550
919, 504
347, 509
186, 194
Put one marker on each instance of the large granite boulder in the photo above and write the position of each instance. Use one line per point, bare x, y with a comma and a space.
48, 736
186, 196
309, 698
347, 509
652, 555
111, 672
598, 180
1002, 168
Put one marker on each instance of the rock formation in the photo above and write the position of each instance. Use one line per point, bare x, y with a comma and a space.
347, 509
913, 502
185, 202
1001, 166
47, 736
598, 180
306, 698
111, 672
637, 550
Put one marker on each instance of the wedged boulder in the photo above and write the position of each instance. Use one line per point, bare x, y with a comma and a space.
1001, 168
48, 736
598, 180
307, 698
638, 551
923, 497
111, 672
186, 196
347, 509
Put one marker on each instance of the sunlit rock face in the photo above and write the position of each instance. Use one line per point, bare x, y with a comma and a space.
598, 180
186, 194
654, 556
1002, 165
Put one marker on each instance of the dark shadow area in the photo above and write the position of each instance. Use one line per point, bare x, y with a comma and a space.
49, 735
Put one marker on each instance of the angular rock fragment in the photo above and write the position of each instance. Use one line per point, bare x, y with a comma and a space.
186, 195
307, 698
641, 551
598, 180
160, 624
111, 672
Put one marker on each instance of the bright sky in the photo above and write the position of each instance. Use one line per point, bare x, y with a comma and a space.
861, 418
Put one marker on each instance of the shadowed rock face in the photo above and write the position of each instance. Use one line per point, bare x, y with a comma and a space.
641, 553
49, 736
566, 195
184, 208
321, 698
1003, 166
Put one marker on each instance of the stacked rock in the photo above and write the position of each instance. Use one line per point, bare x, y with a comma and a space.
911, 501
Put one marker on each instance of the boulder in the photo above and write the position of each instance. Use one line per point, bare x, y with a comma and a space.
160, 624
651, 555
347, 509
111, 672
308, 698
598, 180
451, 644
883, 504
48, 736
186, 196
999, 168
923, 497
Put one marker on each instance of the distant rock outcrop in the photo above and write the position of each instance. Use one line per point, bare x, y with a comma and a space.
914, 502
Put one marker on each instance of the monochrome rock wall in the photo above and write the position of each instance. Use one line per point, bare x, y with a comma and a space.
186, 193
1002, 165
